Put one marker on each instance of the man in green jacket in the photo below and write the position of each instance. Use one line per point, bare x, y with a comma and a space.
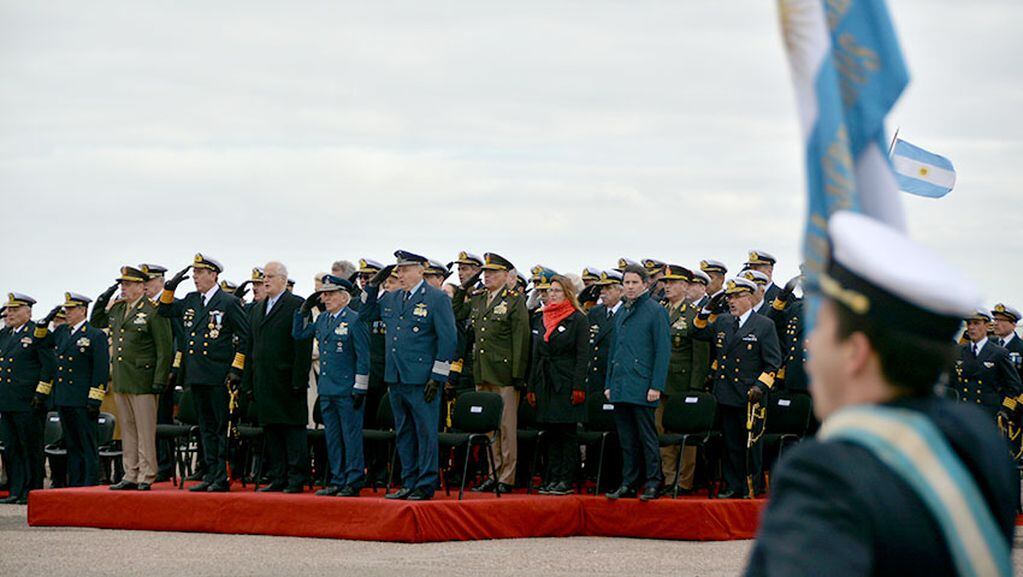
687, 369
500, 353
141, 352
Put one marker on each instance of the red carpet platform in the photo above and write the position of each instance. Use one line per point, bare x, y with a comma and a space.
371, 517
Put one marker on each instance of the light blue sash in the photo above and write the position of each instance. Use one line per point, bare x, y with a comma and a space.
910, 445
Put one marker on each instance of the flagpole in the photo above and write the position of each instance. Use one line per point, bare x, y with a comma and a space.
894, 138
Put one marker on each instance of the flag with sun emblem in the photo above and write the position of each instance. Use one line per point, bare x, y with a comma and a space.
920, 172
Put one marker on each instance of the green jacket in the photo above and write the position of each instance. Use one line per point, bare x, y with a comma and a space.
690, 359
500, 351
141, 346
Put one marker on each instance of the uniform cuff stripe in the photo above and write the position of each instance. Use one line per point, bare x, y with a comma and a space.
96, 394
362, 382
239, 361
167, 297
44, 388
767, 379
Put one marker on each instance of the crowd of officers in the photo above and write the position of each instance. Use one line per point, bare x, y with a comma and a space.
630, 337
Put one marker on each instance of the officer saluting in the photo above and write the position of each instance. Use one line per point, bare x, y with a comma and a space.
985, 375
25, 364
143, 348
217, 330
421, 342
898, 481
83, 368
500, 354
343, 341
747, 356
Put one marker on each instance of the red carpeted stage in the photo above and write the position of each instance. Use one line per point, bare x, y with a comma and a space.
371, 517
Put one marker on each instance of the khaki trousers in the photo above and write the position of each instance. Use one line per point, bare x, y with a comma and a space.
137, 416
669, 455
506, 447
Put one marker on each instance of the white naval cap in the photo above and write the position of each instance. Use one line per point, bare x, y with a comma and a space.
878, 271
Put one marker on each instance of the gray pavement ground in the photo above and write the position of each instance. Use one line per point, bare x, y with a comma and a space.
58, 551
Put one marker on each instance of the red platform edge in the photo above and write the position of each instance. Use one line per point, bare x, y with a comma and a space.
373, 518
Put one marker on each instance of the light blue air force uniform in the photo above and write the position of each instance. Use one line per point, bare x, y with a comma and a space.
344, 374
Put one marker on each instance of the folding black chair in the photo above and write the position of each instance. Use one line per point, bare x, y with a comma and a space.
53, 447
788, 418
250, 435
529, 434
383, 434
109, 451
598, 430
183, 429
476, 418
688, 420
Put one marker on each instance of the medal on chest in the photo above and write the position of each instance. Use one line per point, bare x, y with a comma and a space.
188, 319
216, 323
420, 310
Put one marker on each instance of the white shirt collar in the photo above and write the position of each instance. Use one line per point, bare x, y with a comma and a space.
979, 345
416, 288
18, 330
75, 328
745, 317
208, 295
1008, 338
617, 306
271, 301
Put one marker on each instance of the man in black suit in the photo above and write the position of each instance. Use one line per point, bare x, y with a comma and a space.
277, 380
985, 375
747, 357
217, 332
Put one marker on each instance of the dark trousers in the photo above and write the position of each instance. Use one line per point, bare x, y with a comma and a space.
211, 408
733, 429
641, 454
80, 441
288, 450
342, 424
415, 426
562, 444
23, 439
165, 447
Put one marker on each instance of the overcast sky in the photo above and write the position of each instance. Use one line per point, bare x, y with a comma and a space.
563, 133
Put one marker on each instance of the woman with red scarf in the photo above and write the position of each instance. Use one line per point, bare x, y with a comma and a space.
557, 382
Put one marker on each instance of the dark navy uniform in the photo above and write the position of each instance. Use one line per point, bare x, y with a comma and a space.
24, 365
602, 324
986, 378
788, 321
83, 369
745, 357
421, 340
218, 336
837, 510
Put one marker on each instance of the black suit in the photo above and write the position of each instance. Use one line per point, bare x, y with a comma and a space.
745, 357
987, 378
217, 336
277, 379
837, 510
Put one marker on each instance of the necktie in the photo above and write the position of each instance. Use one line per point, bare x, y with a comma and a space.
974, 349
610, 314
1001, 342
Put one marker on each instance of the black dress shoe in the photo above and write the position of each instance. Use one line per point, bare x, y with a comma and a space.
9, 500
218, 488
200, 488
649, 494
727, 495
420, 495
22, 500
561, 488
545, 489
623, 492
504, 488
485, 487
144, 487
272, 488
349, 491
124, 486
400, 494
292, 490
328, 491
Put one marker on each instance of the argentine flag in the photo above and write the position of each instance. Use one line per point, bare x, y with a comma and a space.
848, 72
920, 172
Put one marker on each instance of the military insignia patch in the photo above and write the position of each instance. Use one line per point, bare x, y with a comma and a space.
26, 341
988, 364
501, 309
420, 310
342, 329
140, 318
83, 342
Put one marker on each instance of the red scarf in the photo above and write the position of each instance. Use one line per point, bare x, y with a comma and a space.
554, 314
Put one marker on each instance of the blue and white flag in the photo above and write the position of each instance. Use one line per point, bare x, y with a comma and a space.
848, 72
920, 172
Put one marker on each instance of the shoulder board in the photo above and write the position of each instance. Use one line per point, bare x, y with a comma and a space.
478, 292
